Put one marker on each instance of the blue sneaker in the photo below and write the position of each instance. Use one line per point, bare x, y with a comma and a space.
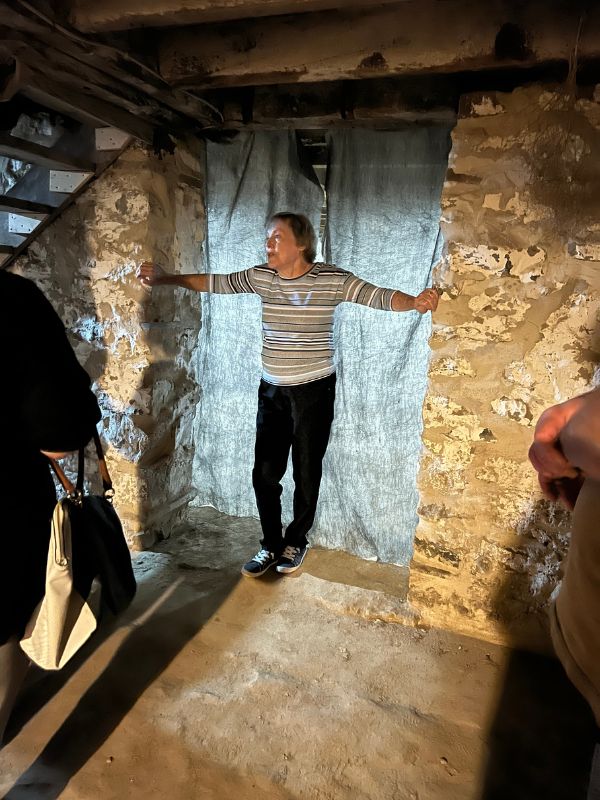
291, 559
259, 564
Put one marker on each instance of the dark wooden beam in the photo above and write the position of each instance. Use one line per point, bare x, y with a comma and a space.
48, 157
86, 108
98, 71
119, 15
35, 187
415, 37
377, 103
61, 83
25, 207
6, 250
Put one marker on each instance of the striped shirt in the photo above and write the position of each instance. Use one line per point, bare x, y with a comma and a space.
297, 315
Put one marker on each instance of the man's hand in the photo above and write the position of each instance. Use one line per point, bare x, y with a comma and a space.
426, 301
150, 274
559, 478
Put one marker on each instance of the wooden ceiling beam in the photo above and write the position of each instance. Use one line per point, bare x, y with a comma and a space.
118, 15
35, 186
415, 37
58, 81
381, 104
13, 205
114, 76
48, 157
86, 108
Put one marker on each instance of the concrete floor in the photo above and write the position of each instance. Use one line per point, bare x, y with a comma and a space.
218, 687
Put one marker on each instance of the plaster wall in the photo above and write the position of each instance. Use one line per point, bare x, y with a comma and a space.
517, 330
138, 347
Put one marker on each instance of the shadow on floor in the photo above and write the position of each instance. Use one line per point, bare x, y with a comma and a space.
542, 737
150, 647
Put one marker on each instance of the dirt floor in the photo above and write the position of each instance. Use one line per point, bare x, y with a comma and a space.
307, 686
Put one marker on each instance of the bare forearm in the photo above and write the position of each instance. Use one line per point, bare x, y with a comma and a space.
402, 301
193, 281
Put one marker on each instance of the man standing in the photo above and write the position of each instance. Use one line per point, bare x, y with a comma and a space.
297, 390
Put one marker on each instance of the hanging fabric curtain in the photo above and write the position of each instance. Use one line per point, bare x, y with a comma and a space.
256, 175
383, 193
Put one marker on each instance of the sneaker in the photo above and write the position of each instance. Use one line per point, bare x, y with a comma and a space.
259, 564
291, 559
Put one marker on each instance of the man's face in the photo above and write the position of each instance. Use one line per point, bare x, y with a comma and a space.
281, 245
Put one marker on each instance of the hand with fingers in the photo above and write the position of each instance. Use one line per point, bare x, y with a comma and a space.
565, 447
149, 273
427, 300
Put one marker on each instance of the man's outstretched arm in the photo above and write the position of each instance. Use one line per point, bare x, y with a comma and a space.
425, 301
151, 274
357, 290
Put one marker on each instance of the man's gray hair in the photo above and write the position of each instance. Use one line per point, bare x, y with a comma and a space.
303, 231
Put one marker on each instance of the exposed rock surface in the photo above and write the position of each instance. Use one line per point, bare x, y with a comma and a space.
138, 348
517, 330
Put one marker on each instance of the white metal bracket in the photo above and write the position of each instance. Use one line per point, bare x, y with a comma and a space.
67, 182
24, 225
111, 139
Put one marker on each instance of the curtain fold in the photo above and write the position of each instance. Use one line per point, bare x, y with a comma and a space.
383, 194
256, 175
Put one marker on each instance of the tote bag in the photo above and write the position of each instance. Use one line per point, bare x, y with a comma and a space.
88, 570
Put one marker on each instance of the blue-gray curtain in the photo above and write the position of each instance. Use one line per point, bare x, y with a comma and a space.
383, 192
255, 176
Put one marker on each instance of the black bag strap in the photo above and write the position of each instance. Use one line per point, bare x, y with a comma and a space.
77, 490
64, 481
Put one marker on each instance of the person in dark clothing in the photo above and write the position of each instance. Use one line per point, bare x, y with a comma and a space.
46, 408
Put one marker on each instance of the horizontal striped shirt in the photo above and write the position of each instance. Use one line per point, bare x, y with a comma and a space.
297, 315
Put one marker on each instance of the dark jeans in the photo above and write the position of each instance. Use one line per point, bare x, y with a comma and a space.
298, 417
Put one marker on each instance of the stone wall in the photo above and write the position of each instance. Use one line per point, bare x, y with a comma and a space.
517, 330
139, 347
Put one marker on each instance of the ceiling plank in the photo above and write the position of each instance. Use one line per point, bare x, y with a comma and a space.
25, 207
377, 42
381, 104
86, 110
102, 65
35, 186
48, 157
85, 107
58, 81
119, 15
